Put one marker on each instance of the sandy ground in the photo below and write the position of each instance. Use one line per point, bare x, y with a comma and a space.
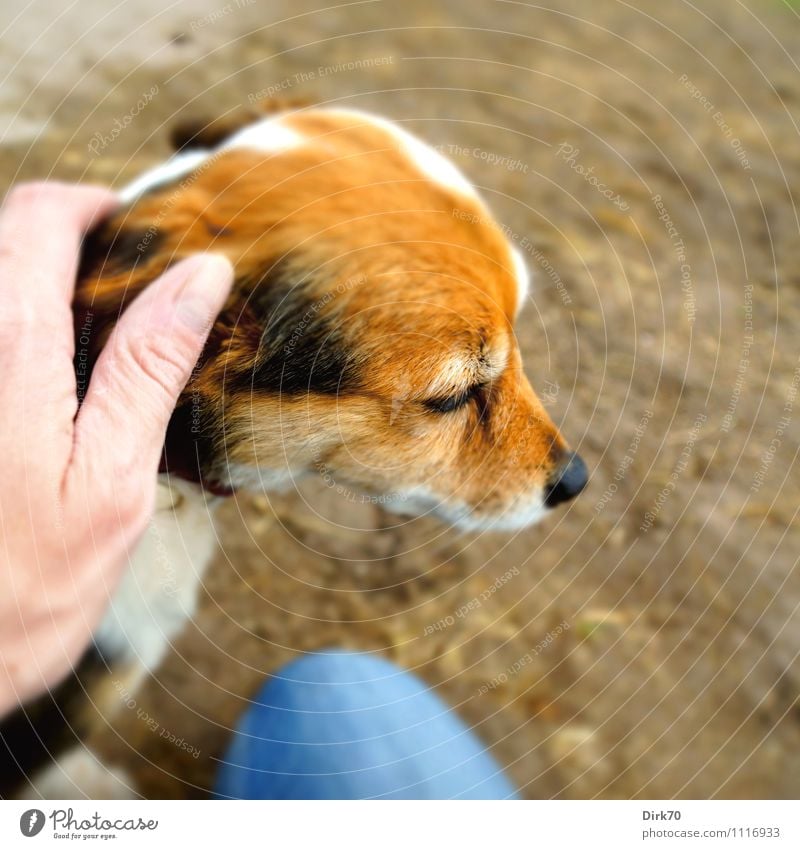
663, 329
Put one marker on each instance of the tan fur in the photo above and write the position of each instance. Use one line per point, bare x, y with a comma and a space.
417, 275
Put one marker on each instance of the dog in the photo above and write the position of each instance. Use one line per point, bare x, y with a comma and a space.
368, 334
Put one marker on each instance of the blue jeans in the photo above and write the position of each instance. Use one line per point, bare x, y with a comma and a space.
339, 725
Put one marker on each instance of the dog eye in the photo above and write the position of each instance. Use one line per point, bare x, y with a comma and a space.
453, 402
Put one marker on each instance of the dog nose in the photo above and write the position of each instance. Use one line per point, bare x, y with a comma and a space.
567, 480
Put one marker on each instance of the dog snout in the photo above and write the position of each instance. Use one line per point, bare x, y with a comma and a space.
567, 479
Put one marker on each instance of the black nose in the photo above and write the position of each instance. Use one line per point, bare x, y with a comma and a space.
567, 480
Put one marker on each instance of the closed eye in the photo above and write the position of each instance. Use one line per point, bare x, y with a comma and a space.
450, 403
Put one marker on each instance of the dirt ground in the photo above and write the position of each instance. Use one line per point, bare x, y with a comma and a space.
644, 642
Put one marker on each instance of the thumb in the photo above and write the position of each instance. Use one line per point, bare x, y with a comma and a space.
145, 365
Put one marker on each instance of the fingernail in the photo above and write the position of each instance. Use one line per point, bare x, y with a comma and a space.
208, 282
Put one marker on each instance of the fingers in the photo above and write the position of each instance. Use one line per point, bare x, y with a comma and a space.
143, 368
41, 227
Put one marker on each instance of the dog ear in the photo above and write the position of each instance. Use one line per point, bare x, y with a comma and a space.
203, 133
296, 339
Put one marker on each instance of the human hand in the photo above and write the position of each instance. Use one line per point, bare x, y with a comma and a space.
78, 486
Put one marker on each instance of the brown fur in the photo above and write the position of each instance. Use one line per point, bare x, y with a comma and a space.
408, 273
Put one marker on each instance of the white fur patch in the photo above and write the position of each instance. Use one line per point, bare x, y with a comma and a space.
255, 479
522, 276
435, 166
174, 168
267, 136
421, 501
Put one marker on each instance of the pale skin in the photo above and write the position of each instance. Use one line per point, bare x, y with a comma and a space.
78, 485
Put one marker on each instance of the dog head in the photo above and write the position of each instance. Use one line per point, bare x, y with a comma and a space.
369, 337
